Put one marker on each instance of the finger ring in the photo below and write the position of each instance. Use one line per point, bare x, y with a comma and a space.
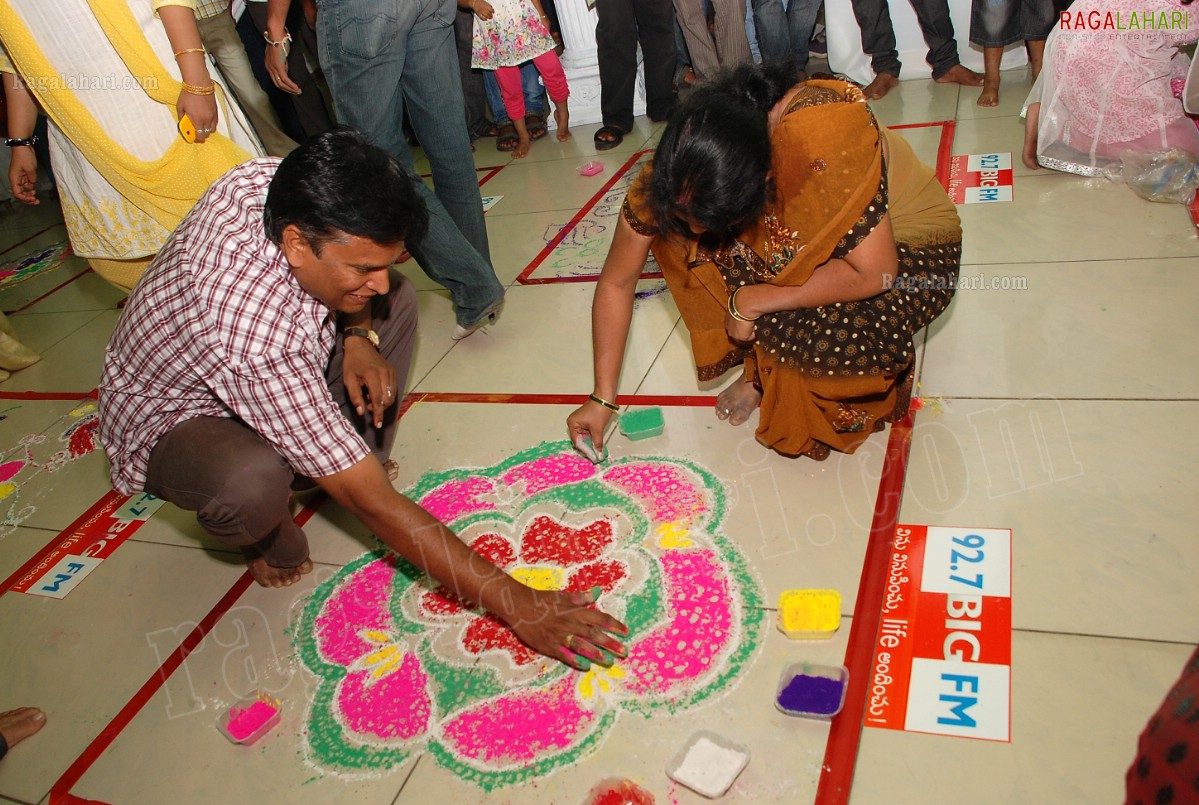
570, 642
389, 391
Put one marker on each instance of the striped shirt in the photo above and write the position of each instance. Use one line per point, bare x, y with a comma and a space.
218, 326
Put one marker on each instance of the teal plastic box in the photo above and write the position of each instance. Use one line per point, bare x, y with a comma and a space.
643, 424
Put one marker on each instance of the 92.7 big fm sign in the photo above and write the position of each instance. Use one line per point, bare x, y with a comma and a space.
942, 661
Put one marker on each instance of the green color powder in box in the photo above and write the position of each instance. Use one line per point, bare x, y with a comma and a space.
642, 424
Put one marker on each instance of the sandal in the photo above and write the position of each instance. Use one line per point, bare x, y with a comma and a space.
607, 137
506, 138
536, 126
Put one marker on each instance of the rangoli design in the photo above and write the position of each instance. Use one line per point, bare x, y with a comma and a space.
23, 462
23, 268
404, 667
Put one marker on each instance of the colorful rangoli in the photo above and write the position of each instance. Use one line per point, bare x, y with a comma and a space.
28, 459
44, 259
404, 667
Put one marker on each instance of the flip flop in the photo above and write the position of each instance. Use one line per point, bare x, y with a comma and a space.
607, 137
536, 126
506, 139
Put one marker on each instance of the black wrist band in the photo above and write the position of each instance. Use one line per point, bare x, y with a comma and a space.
13, 142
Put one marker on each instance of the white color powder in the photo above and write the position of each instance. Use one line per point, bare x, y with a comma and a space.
709, 768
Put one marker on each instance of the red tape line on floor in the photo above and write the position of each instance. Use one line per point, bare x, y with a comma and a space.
845, 735
60, 792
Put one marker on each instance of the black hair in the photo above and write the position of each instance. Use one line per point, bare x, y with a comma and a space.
713, 160
338, 182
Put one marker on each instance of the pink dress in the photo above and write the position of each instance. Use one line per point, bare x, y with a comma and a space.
1106, 87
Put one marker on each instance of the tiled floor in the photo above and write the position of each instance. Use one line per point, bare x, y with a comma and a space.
1062, 411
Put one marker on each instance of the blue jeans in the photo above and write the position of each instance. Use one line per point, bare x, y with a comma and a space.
784, 34
529, 82
381, 56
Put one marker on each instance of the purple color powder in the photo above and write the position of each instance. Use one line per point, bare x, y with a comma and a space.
812, 694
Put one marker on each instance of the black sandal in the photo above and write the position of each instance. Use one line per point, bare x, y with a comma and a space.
536, 126
506, 138
607, 137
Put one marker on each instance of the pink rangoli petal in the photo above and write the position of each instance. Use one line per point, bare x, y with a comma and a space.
358, 603
696, 637
458, 498
664, 489
520, 726
396, 706
546, 473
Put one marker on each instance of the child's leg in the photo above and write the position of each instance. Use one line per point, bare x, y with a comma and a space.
990, 94
514, 104
1036, 53
1032, 118
555, 84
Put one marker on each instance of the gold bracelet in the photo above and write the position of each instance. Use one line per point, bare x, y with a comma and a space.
179, 53
733, 306
603, 402
208, 90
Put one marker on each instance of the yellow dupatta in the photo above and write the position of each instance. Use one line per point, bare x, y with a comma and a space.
164, 189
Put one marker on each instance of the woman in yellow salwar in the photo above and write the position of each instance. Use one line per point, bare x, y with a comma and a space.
801, 242
115, 77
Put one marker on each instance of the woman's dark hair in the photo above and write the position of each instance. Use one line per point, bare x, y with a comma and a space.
714, 156
339, 183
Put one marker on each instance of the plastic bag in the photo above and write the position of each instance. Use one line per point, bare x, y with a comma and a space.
1169, 176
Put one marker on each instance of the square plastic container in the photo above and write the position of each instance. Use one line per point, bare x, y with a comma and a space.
591, 167
810, 690
708, 763
250, 718
643, 424
809, 614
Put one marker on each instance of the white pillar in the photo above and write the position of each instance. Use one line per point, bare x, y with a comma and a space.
581, 64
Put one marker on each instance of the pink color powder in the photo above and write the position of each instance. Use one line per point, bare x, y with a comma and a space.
689, 645
458, 498
516, 727
545, 473
665, 491
245, 721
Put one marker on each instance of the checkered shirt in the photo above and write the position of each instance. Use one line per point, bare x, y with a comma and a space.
218, 326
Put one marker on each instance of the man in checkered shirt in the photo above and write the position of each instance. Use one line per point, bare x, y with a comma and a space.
266, 345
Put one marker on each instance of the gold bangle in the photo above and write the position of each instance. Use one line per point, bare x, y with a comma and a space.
208, 90
736, 314
179, 53
603, 402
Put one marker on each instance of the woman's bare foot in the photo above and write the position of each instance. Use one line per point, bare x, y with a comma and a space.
737, 402
17, 725
990, 94
1032, 119
960, 75
880, 86
269, 576
392, 469
562, 118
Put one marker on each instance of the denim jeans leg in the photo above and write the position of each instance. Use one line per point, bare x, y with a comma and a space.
375, 50
878, 35
769, 22
937, 27
530, 80
495, 99
801, 22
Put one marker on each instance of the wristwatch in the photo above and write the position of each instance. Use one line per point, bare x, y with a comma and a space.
369, 335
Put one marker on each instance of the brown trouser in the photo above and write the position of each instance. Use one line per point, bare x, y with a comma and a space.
239, 485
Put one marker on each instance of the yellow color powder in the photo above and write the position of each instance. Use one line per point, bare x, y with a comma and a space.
809, 614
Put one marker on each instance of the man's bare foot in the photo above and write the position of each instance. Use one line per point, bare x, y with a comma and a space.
269, 576
960, 75
17, 725
392, 469
562, 118
880, 86
990, 94
737, 402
